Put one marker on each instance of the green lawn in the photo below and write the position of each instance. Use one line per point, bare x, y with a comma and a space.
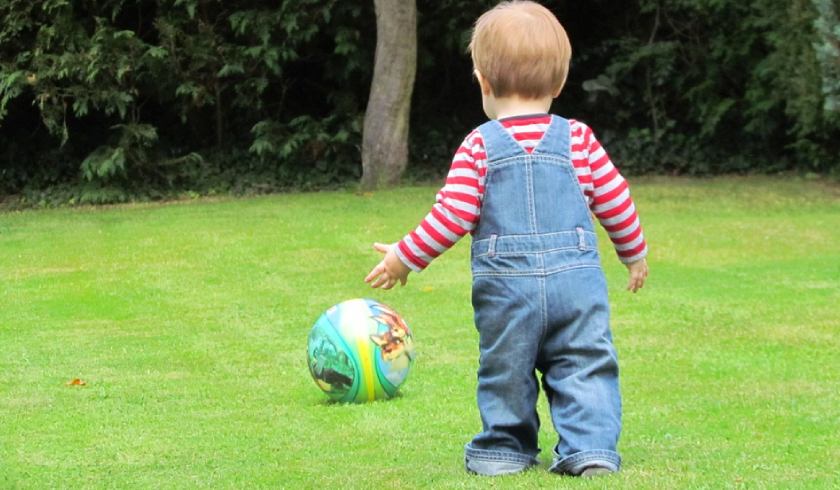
188, 323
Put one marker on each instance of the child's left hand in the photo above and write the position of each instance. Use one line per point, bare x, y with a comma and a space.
386, 274
638, 273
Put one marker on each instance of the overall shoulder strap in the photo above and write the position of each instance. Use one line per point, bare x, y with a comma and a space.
556, 139
498, 143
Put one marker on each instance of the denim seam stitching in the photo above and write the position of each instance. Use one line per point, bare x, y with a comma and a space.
506, 161
535, 272
576, 266
570, 233
550, 159
529, 178
544, 306
496, 253
557, 161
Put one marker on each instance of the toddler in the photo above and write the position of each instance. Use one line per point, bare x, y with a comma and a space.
525, 185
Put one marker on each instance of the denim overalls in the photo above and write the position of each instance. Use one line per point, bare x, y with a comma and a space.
540, 302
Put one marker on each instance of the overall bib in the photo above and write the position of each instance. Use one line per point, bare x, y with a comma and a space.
540, 302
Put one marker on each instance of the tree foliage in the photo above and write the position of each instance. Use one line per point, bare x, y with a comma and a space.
113, 100
143, 96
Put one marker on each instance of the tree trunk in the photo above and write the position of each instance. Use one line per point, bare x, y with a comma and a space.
385, 133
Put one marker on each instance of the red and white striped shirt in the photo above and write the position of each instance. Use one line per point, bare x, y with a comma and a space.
458, 205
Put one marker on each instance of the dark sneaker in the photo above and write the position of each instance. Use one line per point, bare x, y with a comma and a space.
594, 471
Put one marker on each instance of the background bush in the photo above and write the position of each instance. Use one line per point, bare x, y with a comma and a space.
104, 101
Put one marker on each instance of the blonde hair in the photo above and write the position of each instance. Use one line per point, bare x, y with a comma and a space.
521, 48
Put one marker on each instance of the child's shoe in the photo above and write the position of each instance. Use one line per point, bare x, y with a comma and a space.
494, 463
593, 471
586, 463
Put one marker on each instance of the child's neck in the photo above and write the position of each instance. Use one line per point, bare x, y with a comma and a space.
514, 105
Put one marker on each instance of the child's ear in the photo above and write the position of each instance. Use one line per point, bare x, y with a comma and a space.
560, 88
483, 83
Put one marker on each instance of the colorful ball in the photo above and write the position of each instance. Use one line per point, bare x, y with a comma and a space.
360, 350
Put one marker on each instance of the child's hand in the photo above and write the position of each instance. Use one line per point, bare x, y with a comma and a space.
389, 271
638, 272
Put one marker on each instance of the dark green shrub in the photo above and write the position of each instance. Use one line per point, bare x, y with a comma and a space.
120, 100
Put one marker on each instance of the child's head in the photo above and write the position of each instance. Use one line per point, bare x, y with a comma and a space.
521, 49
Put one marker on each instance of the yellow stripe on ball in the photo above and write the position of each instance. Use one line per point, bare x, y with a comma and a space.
367, 365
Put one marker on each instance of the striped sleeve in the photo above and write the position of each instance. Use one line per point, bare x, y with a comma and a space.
609, 196
455, 212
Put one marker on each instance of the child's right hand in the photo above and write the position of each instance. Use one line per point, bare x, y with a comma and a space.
638, 272
389, 271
